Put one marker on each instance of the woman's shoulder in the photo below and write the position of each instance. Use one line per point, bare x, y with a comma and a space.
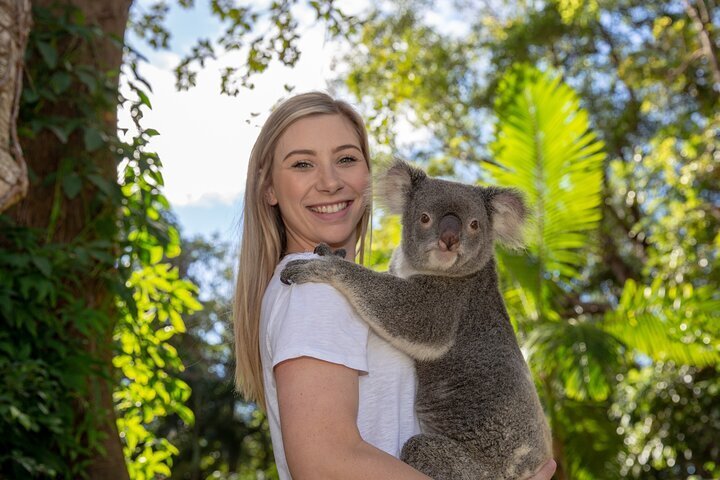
277, 291
309, 299
313, 320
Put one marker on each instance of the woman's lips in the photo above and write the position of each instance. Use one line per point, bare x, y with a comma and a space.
331, 211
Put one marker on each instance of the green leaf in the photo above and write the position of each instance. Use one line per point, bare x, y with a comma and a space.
88, 79
655, 319
545, 148
93, 139
144, 99
584, 358
62, 133
72, 184
104, 185
60, 81
22, 418
43, 264
48, 53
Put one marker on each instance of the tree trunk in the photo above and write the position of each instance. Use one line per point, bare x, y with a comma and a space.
43, 155
14, 28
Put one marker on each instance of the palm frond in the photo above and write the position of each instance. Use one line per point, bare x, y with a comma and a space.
546, 149
666, 323
589, 460
583, 358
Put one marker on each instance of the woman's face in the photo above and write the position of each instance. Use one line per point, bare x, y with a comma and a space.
319, 176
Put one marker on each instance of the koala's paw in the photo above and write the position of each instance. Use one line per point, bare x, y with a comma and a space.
324, 250
304, 271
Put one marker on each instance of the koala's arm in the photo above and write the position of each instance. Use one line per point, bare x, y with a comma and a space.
412, 314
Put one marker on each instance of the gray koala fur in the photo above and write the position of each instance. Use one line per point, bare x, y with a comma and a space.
476, 401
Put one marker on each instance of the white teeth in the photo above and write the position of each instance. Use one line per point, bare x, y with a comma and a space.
336, 207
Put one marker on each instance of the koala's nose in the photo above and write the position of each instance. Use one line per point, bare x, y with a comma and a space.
449, 232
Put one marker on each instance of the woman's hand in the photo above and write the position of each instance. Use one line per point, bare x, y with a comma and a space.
546, 472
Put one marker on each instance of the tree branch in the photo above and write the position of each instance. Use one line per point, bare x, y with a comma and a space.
16, 21
704, 37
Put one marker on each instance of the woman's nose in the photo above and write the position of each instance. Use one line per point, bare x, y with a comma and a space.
329, 181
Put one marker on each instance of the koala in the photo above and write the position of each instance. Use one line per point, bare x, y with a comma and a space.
440, 303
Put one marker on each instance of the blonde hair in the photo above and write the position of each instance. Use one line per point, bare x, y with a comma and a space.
263, 237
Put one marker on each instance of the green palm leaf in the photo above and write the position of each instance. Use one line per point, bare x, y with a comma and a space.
546, 149
668, 323
584, 358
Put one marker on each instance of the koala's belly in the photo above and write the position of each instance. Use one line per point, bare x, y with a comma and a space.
483, 399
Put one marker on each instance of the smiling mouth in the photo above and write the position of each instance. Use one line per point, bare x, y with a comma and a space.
331, 208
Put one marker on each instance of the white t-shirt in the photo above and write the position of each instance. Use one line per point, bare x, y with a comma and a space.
315, 320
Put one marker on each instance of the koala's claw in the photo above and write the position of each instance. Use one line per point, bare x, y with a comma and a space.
324, 250
291, 270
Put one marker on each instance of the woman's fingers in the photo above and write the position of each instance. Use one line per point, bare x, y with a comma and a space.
546, 472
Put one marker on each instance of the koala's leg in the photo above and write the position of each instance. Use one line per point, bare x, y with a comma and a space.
441, 458
408, 313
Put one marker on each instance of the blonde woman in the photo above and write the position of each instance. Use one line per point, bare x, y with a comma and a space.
339, 399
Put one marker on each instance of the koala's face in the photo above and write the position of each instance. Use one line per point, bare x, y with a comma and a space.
449, 228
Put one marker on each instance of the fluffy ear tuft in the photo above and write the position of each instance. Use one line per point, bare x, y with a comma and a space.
509, 215
394, 186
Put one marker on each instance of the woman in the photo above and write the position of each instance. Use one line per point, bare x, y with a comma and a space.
339, 399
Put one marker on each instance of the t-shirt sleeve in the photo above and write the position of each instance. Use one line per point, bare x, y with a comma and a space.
315, 320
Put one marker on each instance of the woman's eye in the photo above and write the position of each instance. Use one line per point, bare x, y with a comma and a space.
302, 164
347, 159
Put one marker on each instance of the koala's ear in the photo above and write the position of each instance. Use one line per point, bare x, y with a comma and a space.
508, 213
395, 185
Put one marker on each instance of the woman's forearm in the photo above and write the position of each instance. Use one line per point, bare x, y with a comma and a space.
355, 460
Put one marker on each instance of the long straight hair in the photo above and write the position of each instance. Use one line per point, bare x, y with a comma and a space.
263, 237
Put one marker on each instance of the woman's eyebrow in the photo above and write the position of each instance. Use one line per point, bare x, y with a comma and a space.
346, 146
313, 152
298, 152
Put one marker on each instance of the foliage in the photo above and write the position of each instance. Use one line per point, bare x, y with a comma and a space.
544, 147
649, 408
49, 408
149, 388
42, 365
275, 40
230, 438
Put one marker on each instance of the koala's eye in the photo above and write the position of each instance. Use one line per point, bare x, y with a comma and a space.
424, 218
474, 225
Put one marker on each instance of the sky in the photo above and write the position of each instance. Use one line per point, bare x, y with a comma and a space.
206, 137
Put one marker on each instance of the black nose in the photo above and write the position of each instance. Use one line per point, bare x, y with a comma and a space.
450, 230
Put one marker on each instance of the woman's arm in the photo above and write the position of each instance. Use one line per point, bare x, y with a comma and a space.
318, 403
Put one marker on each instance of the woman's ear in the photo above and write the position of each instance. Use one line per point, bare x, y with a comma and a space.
270, 197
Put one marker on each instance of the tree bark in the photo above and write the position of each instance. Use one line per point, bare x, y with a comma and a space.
43, 155
15, 22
